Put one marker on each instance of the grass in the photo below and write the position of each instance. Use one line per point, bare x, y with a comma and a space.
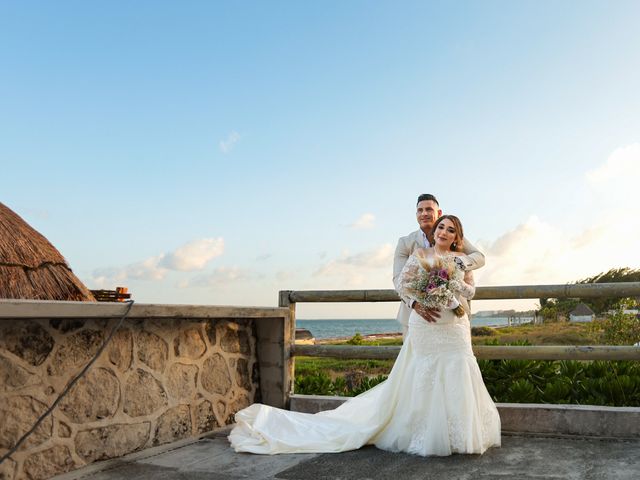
336, 367
559, 333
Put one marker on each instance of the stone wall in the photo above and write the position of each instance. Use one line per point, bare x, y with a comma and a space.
159, 380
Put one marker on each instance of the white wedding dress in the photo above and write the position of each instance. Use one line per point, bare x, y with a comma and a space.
434, 402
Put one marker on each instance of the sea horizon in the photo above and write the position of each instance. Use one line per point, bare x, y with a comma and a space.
339, 328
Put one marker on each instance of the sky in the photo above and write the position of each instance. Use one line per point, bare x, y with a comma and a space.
216, 152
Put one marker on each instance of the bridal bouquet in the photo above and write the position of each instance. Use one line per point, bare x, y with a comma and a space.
435, 283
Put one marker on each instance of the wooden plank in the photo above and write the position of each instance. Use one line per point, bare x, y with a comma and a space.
343, 296
486, 352
346, 351
587, 290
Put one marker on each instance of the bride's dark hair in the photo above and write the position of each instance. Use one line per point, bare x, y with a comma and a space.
458, 242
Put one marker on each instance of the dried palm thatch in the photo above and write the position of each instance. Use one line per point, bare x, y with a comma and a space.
32, 268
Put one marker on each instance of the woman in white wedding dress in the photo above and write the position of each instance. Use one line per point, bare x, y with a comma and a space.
434, 401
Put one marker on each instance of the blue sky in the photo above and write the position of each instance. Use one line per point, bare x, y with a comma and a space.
217, 152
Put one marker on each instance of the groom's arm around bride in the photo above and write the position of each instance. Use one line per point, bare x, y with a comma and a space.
427, 212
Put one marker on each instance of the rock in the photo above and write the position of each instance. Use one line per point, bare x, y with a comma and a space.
120, 349
65, 325
164, 325
112, 441
143, 394
13, 376
238, 403
94, 397
181, 381
152, 350
48, 463
221, 408
75, 352
17, 416
189, 344
64, 431
205, 418
235, 341
29, 341
173, 425
7, 469
210, 331
242, 374
215, 376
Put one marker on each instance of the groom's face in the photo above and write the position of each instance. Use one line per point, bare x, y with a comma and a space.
427, 212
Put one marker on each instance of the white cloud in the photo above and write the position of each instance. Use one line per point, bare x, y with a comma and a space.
537, 252
620, 173
189, 257
355, 270
366, 221
220, 276
227, 145
546, 251
148, 269
194, 255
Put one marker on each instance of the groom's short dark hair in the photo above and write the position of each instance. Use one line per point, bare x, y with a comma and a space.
427, 196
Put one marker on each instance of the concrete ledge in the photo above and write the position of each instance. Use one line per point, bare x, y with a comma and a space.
315, 403
16, 309
580, 420
530, 418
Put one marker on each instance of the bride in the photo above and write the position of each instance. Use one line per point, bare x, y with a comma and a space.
434, 401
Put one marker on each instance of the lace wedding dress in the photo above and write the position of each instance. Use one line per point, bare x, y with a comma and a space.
434, 402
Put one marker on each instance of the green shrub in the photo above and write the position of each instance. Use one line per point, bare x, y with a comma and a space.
482, 331
620, 329
356, 339
615, 383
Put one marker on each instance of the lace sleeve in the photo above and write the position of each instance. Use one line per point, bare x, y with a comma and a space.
466, 287
409, 274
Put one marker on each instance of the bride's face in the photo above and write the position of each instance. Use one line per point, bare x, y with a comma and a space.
445, 234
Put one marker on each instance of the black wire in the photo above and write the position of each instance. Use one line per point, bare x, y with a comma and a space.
68, 387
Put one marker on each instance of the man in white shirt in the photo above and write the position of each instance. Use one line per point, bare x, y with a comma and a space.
427, 212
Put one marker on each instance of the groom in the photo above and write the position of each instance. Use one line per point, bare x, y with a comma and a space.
427, 212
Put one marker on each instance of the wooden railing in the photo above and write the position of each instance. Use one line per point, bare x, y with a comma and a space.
289, 298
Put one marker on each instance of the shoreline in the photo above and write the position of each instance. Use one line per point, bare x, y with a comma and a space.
381, 336
371, 336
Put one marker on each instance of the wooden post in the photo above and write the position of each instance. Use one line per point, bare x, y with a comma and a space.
284, 301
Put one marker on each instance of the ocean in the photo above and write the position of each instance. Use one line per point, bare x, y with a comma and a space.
348, 328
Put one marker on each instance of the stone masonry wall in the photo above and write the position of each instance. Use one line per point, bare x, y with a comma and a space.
158, 381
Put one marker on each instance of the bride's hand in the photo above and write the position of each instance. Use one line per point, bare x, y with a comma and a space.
430, 315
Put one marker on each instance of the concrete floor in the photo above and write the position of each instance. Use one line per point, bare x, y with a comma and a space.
519, 458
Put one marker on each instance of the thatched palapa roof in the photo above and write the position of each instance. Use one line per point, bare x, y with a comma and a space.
581, 309
32, 268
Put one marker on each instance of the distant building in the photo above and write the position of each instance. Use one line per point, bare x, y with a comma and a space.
304, 337
582, 313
